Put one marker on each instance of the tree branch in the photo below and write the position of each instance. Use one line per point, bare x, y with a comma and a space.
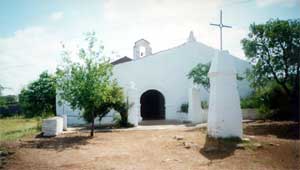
283, 84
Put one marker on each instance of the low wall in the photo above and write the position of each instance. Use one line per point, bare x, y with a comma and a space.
248, 114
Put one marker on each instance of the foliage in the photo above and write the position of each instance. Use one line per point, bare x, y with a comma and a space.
14, 128
38, 98
87, 84
2, 101
123, 107
10, 99
204, 104
250, 102
199, 74
184, 107
120, 122
274, 48
265, 113
270, 101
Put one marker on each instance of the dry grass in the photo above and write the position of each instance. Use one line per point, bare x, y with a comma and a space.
14, 128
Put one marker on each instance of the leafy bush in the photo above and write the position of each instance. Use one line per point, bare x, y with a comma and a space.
122, 108
120, 122
184, 108
272, 102
264, 113
250, 102
204, 104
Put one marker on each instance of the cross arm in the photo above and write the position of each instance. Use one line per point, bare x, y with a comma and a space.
227, 26
215, 24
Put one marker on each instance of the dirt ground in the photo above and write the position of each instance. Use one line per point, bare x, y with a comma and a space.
159, 150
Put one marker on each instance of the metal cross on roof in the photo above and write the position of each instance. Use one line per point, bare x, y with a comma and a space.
221, 27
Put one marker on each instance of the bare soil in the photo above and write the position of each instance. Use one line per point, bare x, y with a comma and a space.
176, 149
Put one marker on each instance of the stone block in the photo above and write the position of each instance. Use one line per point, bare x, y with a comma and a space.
52, 126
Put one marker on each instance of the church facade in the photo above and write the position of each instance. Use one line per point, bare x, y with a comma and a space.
157, 83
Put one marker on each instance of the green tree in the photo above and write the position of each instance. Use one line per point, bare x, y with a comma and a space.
2, 101
38, 98
199, 75
273, 49
87, 84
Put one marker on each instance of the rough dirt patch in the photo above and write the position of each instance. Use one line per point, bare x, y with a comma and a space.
159, 150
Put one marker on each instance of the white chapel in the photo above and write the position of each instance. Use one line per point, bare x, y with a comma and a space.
157, 83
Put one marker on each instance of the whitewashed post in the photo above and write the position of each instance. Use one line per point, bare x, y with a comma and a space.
195, 112
224, 115
60, 110
133, 112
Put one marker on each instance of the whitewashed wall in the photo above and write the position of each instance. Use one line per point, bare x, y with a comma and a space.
167, 71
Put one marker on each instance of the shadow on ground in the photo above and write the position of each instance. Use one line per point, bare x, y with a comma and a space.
218, 148
56, 143
283, 130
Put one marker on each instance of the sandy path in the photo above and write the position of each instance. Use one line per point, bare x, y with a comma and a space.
152, 150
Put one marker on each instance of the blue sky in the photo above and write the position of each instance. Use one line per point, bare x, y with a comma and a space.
31, 31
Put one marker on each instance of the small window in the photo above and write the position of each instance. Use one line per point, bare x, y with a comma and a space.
142, 51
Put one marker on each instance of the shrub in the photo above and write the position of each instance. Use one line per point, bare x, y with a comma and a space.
264, 113
184, 108
272, 103
250, 102
204, 104
120, 122
122, 107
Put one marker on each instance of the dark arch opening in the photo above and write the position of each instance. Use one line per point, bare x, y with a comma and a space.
152, 105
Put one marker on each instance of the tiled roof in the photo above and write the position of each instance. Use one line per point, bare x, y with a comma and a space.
121, 60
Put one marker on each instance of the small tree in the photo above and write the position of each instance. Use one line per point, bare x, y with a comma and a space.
87, 85
38, 98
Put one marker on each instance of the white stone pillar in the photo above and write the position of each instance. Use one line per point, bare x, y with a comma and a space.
133, 112
195, 113
65, 122
224, 115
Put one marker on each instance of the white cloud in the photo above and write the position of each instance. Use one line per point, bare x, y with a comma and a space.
25, 55
31, 51
55, 16
165, 23
287, 3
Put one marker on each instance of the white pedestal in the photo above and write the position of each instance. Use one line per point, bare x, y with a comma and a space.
195, 109
65, 122
224, 115
133, 113
52, 126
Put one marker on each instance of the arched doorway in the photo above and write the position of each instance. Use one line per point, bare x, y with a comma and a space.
152, 105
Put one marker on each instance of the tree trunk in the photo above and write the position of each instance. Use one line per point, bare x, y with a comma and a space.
296, 96
93, 126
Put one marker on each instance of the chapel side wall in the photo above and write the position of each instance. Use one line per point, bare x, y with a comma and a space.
74, 117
